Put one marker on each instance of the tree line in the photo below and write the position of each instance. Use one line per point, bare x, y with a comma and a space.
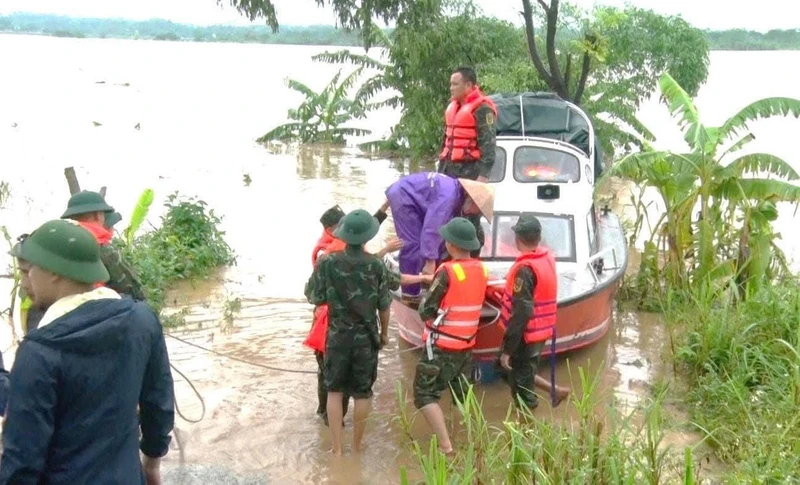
157, 29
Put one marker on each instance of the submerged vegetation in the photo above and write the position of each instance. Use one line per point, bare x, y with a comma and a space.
731, 304
594, 58
189, 245
730, 244
320, 117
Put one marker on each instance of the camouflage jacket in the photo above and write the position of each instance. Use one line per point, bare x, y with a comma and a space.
123, 278
354, 285
521, 310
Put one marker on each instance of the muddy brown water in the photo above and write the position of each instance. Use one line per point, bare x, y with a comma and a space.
195, 135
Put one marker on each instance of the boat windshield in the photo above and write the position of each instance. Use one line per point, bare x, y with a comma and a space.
537, 164
558, 234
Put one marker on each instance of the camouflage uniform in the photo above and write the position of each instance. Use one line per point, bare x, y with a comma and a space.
447, 368
487, 143
123, 278
355, 286
524, 357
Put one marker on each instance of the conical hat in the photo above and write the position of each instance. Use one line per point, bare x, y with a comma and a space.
482, 194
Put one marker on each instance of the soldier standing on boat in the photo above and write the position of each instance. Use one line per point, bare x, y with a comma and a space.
355, 286
528, 315
92, 212
451, 311
470, 140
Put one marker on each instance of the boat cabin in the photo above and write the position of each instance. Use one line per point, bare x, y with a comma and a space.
547, 164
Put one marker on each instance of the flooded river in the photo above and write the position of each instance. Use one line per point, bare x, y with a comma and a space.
198, 108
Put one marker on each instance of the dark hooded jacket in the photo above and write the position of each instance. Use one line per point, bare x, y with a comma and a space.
75, 385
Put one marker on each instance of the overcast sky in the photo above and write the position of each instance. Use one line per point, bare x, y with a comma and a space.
761, 15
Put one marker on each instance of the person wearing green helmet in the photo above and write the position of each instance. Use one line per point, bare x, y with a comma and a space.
28, 315
355, 286
79, 377
451, 311
92, 212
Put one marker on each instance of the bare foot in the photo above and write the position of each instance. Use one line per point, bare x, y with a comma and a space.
561, 394
358, 449
336, 452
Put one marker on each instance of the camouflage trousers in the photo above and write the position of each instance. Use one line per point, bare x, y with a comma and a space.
351, 362
322, 391
524, 365
459, 170
445, 370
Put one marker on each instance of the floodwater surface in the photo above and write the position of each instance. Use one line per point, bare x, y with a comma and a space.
130, 115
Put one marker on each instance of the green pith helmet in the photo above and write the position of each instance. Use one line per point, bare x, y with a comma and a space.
357, 227
528, 226
460, 233
331, 217
66, 249
85, 202
112, 218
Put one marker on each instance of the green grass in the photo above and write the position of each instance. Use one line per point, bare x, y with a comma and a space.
742, 363
601, 446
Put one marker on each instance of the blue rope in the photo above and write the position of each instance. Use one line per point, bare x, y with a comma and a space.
553, 369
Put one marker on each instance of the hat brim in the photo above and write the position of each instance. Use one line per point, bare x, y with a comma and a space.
112, 218
16, 251
358, 238
82, 272
467, 244
482, 194
86, 209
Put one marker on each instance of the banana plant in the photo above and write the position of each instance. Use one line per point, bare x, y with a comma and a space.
139, 214
320, 117
705, 179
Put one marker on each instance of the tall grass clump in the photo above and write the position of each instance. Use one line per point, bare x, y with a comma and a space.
743, 365
188, 245
606, 447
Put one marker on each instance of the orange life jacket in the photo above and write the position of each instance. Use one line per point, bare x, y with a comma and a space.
463, 301
542, 324
102, 235
461, 133
322, 244
318, 334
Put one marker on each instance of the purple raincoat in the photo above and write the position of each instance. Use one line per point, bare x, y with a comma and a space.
421, 203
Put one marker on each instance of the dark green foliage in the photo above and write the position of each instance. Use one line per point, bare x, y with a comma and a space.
188, 245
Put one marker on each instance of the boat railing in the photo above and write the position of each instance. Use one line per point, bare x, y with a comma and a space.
599, 256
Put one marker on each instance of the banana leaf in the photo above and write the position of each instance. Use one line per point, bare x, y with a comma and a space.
139, 214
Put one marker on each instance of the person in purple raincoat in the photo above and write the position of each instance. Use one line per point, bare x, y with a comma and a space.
423, 202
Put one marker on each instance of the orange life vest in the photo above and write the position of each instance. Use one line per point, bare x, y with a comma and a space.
322, 244
542, 324
461, 133
102, 235
463, 301
318, 334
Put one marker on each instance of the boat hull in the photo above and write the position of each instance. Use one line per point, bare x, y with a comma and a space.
582, 321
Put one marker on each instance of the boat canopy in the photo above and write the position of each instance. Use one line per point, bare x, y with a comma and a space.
545, 115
